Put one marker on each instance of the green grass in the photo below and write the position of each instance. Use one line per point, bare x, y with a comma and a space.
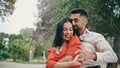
33, 61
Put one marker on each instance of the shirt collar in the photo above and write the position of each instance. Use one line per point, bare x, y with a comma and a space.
82, 37
86, 31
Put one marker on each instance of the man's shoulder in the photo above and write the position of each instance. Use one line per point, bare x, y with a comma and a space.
91, 35
90, 32
95, 33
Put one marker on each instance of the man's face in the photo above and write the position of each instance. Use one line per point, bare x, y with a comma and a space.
78, 21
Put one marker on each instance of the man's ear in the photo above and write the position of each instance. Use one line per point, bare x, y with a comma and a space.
85, 20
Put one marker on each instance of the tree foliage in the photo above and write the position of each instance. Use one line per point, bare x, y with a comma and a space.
6, 9
2, 36
26, 32
5, 54
27, 48
16, 50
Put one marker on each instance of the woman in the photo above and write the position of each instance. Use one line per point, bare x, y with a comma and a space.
61, 55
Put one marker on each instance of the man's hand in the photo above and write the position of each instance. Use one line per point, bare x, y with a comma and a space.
77, 61
83, 53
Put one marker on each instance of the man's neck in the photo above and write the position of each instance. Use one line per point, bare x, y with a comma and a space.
83, 31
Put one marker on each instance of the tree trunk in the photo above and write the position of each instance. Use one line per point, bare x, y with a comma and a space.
15, 57
116, 49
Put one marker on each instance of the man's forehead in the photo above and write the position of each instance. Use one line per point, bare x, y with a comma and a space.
75, 15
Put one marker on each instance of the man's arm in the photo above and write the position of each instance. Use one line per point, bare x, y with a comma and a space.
104, 53
86, 54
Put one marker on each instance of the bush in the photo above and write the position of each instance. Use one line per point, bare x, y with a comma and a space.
26, 53
0, 57
5, 55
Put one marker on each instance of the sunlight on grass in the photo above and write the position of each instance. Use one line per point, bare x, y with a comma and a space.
33, 61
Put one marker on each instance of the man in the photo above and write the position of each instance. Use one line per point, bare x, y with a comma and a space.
96, 50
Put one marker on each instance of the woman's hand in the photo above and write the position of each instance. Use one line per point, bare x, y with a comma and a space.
78, 61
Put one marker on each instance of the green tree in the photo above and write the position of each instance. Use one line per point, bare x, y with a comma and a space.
15, 39
26, 32
5, 54
2, 36
15, 44
1, 49
16, 50
27, 48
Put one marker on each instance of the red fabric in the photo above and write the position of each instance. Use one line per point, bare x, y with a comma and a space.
73, 45
51, 58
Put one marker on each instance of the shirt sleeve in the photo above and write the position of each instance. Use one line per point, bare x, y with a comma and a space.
50, 60
105, 53
73, 45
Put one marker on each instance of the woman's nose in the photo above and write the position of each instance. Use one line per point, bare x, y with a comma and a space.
68, 32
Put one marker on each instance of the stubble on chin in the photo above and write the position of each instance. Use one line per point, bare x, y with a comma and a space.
76, 31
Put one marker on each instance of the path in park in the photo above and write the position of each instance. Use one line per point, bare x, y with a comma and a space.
7, 64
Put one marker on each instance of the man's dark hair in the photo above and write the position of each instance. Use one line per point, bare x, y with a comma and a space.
80, 11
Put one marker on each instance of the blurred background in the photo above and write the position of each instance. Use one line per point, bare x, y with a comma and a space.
27, 27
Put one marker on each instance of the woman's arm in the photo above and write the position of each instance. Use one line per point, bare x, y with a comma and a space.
66, 58
67, 61
66, 64
73, 45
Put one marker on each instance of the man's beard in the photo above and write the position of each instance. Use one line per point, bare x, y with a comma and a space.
76, 31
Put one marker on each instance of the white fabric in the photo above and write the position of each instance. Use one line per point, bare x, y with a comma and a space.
96, 42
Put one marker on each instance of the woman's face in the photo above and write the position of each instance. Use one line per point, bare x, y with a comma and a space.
67, 31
